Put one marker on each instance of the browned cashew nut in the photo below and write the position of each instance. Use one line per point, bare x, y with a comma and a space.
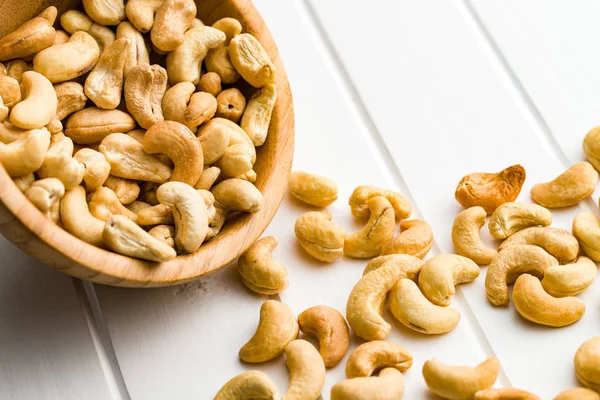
558, 242
231, 104
329, 326
32, 37
375, 355
210, 83
172, 19
259, 271
145, 86
10, 91
319, 236
415, 239
567, 189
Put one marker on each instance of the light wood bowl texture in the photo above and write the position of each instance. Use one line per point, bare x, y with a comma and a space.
27, 228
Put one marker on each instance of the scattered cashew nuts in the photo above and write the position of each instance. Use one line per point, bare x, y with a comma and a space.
378, 231
257, 116
329, 326
375, 355
39, 103
46, 194
558, 242
259, 271
415, 239
313, 189
466, 239
569, 188
512, 217
248, 385
145, 86
320, 236
570, 279
440, 274
586, 228
587, 363
307, 371
389, 385
251, 60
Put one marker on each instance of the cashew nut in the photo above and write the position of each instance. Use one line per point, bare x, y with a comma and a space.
208, 178
62, 37
104, 85
567, 189
141, 13
217, 60
378, 231
77, 219
591, 147
127, 191
373, 356
145, 86
164, 233
413, 310
156, 215
105, 12
237, 195
535, 305
30, 38
415, 239
509, 264
577, 394
16, 68
440, 274
39, 103
10, 91
59, 162
512, 217
320, 236
460, 382
24, 182
231, 104
586, 228
490, 190
181, 104
92, 124
137, 206
137, 52
71, 98
411, 265
257, 116
570, 279
69, 60
96, 167
587, 363
504, 394
148, 193
466, 239
329, 326
25, 155
172, 19
251, 60
45, 194
104, 203
201, 108
247, 386
3, 111
359, 202
210, 83
558, 242
276, 328
389, 385
307, 371
259, 271
313, 189
75, 21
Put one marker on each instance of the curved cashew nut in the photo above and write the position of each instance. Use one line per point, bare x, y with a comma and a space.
586, 228
373, 356
512, 217
145, 86
466, 239
577, 394
567, 189
413, 310
208, 178
389, 385
164, 233
217, 60
39, 103
103, 203
137, 52
411, 265
587, 363
259, 271
177, 142
141, 13
460, 382
104, 84
97, 168
105, 12
313, 189
329, 326
359, 201
251, 60
127, 191
137, 206
45, 194
10, 91
415, 239
10, 133
25, 155
124, 236
181, 104
307, 371
172, 19
558, 242
75, 21
320, 236
247, 386
378, 231
69, 60
30, 38
442, 273
59, 162
24, 182
77, 219
156, 215
570, 279
277, 327
257, 116
504, 394
510, 263
535, 305
71, 98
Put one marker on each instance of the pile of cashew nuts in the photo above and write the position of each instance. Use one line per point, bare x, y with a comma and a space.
145, 158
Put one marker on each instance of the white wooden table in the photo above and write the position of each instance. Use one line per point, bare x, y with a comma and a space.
405, 94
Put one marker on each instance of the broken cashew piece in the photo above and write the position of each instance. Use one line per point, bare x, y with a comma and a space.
249, 385
558, 242
251, 60
231, 104
415, 239
569, 188
39, 103
375, 355
329, 326
440, 274
512, 217
359, 202
145, 86
10, 91
586, 228
320, 236
26, 154
307, 371
504, 394
210, 83
577, 394
313, 189
257, 116
466, 239
259, 271
587, 363
378, 231
46, 194
77, 219
389, 385
570, 279
277, 327
103, 203
460, 382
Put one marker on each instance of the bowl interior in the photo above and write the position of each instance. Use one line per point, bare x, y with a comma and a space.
25, 226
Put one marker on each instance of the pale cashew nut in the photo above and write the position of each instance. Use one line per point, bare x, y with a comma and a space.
71, 98
96, 167
410, 265
558, 242
375, 355
415, 239
378, 231
137, 206
77, 219
259, 271
509, 264
54, 126
171, 21
320, 236
257, 116
145, 86
177, 142
105, 12
30, 38
490, 190
183, 63
307, 371
10, 91
466, 238
156, 215
231, 104
535, 305
569, 188
330, 328
201, 108
210, 83
39, 103
69, 60
312, 189
237, 195
104, 85
276, 328
104, 203
413, 310
577, 394
586, 228
128, 160
59, 162
164, 233
504, 394
45, 194
570, 279
217, 60
440, 275
137, 52
62, 37
587, 363
125, 237
141, 13
16, 68
247, 386
24, 182
389, 385
92, 124
460, 382
512, 217
251, 60
208, 178
189, 212
25, 155
359, 201
10, 133
127, 191
75, 21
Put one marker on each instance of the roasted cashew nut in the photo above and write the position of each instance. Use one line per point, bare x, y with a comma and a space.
137, 52
127, 191
137, 206
259, 271
155, 215
10, 91
411, 265
460, 382
307, 371
512, 217
77, 219
570, 279
247, 386
30, 38
208, 178
71, 98
415, 239
558, 242
313, 189
237, 195
45, 194
141, 13
504, 394
75, 21
59, 162
466, 239
375, 355
586, 228
105, 12
210, 83
39, 103
145, 86
359, 202
389, 385
164, 233
96, 167
217, 60
257, 116
567, 189
181, 104
276, 328
25, 155
92, 124
329, 326
320, 236
442, 273
172, 19
509, 264
251, 60
577, 394
587, 363
104, 203
378, 231
231, 104
104, 84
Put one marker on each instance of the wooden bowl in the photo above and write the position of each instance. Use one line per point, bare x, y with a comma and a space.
26, 227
